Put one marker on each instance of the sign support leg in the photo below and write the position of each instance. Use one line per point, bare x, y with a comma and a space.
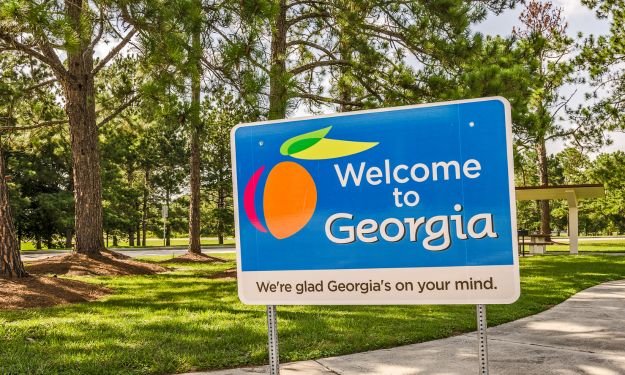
482, 341
272, 330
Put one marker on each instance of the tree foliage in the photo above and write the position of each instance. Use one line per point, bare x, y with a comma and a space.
130, 103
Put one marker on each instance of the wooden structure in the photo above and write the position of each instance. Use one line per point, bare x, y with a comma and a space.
572, 194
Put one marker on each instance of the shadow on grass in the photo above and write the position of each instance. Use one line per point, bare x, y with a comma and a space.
182, 321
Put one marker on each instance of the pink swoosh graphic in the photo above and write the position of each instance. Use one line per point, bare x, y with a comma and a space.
248, 200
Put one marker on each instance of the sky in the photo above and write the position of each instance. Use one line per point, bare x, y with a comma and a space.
579, 19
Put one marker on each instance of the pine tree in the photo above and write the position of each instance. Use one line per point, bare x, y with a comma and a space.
63, 36
545, 44
10, 260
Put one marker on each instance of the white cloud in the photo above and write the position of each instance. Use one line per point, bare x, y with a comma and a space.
571, 8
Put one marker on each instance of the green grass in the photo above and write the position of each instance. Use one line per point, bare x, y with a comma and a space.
205, 241
153, 242
184, 320
614, 246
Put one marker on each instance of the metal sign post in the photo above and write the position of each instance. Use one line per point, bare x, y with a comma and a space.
482, 340
272, 343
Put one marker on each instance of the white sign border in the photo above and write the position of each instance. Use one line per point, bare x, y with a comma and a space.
478, 300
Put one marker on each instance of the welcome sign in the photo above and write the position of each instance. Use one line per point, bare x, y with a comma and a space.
408, 205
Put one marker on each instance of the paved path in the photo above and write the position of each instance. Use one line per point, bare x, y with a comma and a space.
584, 335
136, 252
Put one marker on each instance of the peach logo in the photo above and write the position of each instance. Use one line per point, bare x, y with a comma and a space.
290, 192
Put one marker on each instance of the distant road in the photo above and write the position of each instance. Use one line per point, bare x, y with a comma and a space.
134, 252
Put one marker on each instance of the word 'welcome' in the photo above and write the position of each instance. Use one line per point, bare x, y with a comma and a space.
402, 173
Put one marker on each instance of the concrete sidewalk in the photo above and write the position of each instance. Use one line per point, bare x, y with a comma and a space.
584, 335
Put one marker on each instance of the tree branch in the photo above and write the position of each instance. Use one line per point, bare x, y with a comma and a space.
48, 56
564, 134
562, 105
317, 64
114, 51
368, 87
248, 55
47, 48
313, 45
308, 2
41, 84
306, 16
100, 30
323, 99
118, 110
394, 36
6, 129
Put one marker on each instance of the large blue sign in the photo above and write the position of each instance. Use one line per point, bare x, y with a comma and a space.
396, 192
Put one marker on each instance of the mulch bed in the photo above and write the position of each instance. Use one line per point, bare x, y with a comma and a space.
107, 264
41, 291
38, 290
194, 258
227, 274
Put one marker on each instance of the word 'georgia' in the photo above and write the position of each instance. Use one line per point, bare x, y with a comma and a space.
340, 228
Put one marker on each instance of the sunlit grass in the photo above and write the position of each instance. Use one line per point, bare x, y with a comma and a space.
591, 246
153, 242
185, 320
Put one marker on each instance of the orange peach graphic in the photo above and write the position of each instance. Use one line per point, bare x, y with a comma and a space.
289, 199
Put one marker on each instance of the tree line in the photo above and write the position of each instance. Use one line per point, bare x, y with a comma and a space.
110, 109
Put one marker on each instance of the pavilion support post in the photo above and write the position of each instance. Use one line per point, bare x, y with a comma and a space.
573, 222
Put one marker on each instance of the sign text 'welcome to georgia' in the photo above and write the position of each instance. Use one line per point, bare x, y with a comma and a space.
439, 227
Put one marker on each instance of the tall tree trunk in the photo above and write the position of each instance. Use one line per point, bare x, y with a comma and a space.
79, 93
71, 231
167, 231
69, 234
10, 259
221, 207
144, 215
194, 201
278, 77
345, 85
543, 172
134, 207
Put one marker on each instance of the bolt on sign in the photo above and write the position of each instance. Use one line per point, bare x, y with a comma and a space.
407, 205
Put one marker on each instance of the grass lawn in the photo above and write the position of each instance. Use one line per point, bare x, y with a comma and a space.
614, 246
206, 241
184, 320
149, 242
